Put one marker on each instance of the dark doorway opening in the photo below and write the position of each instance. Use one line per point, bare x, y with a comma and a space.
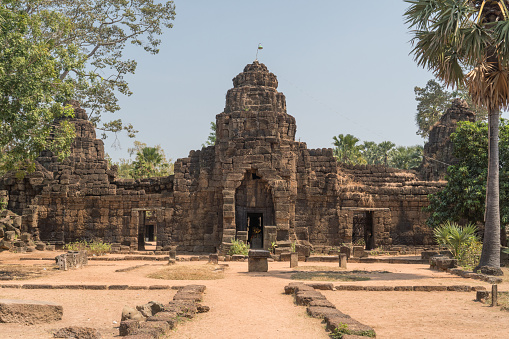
255, 227
147, 231
363, 233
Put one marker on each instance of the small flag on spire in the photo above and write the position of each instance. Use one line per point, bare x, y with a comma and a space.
259, 48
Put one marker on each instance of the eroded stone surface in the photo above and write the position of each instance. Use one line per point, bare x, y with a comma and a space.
29, 311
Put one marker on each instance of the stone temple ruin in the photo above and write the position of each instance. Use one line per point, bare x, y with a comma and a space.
256, 184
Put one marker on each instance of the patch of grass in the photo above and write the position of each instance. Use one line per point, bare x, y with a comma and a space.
327, 276
189, 272
92, 248
343, 330
22, 272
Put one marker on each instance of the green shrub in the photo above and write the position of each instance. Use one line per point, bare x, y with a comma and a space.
92, 248
461, 241
238, 247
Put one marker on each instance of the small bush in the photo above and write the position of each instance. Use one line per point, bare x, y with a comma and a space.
238, 247
461, 241
92, 248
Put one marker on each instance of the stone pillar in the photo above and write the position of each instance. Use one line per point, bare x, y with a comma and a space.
342, 260
269, 236
172, 255
294, 259
257, 261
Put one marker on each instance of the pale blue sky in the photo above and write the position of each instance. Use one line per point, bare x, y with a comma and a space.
344, 67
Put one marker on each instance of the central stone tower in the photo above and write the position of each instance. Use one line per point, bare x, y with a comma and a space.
257, 155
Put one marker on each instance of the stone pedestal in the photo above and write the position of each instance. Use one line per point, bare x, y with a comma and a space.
213, 259
358, 252
257, 261
294, 259
172, 255
342, 260
346, 250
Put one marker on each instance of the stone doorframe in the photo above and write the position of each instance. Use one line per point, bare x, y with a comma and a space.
135, 224
381, 224
282, 195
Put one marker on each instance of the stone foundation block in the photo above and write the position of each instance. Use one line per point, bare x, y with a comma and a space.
29, 311
78, 332
257, 261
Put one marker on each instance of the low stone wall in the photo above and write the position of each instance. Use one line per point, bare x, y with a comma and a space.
318, 306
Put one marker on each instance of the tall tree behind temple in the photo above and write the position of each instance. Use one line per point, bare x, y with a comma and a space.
466, 43
432, 102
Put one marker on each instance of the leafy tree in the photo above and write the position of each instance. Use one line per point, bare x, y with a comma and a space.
346, 149
211, 140
466, 43
101, 29
464, 196
32, 94
434, 100
406, 157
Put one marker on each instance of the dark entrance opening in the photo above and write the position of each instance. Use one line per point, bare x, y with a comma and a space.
255, 227
363, 233
147, 230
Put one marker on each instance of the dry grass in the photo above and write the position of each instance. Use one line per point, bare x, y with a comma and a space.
506, 274
318, 268
189, 272
23, 272
328, 276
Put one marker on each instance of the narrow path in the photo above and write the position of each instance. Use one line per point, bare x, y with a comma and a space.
250, 306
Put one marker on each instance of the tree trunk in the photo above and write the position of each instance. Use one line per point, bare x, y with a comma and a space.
491, 245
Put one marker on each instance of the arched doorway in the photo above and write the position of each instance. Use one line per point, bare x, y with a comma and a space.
254, 208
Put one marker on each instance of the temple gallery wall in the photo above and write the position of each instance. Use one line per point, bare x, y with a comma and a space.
256, 184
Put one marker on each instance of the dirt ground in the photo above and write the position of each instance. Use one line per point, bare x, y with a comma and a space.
253, 304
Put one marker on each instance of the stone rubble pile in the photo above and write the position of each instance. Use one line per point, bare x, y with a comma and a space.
155, 319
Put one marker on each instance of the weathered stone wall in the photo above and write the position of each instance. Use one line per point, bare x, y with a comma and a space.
256, 168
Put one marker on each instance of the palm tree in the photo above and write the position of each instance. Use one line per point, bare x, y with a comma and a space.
466, 42
347, 150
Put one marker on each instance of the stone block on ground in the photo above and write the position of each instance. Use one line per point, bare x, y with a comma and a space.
322, 286
257, 261
322, 303
345, 250
129, 313
482, 296
494, 271
75, 332
324, 312
128, 327
186, 309
305, 297
29, 311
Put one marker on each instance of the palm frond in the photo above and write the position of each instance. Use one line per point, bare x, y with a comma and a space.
420, 13
489, 86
